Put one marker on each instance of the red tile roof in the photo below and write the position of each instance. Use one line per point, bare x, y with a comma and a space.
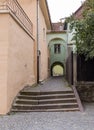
58, 26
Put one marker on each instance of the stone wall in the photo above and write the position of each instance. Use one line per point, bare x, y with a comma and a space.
86, 91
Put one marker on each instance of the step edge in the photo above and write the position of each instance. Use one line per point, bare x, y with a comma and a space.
59, 99
68, 109
39, 105
47, 95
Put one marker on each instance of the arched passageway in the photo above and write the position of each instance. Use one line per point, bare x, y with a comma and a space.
57, 69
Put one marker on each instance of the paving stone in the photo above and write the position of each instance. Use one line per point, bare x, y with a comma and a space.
52, 84
50, 120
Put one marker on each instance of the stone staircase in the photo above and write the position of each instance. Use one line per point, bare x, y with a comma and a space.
48, 101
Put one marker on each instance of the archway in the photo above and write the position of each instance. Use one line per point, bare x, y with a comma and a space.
57, 69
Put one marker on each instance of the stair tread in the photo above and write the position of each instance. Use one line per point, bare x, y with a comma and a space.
44, 97
46, 101
57, 99
45, 104
47, 95
46, 110
45, 92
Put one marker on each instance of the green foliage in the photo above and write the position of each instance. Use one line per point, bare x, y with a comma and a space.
84, 30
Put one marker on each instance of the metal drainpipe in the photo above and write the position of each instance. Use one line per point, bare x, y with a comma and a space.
38, 52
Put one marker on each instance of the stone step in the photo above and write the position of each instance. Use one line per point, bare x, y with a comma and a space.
46, 101
43, 97
55, 101
44, 106
24, 92
47, 110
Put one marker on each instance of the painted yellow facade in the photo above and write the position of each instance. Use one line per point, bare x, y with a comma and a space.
18, 49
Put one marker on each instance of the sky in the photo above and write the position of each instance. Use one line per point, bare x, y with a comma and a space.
62, 8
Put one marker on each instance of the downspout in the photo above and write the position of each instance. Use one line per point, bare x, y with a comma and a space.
38, 52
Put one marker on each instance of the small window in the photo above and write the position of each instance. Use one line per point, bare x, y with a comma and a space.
57, 48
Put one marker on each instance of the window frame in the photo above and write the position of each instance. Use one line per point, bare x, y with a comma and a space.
57, 48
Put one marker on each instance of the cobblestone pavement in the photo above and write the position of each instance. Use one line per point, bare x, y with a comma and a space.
50, 120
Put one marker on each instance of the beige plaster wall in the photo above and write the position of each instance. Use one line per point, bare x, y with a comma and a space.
3, 61
30, 7
17, 63
18, 54
20, 60
43, 47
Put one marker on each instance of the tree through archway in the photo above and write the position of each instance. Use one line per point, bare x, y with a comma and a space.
57, 69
